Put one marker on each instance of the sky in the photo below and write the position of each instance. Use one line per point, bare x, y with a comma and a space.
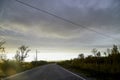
24, 25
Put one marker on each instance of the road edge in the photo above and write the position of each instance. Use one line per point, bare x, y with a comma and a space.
71, 72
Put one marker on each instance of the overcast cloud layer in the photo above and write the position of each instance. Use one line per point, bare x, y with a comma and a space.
20, 24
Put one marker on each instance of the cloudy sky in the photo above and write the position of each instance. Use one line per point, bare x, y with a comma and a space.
21, 24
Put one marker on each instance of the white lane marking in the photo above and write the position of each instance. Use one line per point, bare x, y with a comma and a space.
72, 73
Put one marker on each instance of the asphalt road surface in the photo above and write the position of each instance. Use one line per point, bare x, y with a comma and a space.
46, 72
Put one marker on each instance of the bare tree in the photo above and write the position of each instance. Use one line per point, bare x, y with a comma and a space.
105, 53
81, 56
98, 54
17, 57
22, 53
2, 50
108, 51
94, 51
115, 50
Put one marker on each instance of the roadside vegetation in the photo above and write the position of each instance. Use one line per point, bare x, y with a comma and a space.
11, 67
17, 65
101, 66
105, 67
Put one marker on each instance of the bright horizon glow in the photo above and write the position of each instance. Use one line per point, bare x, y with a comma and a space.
47, 56
55, 56
52, 54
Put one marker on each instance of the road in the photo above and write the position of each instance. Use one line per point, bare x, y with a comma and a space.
46, 72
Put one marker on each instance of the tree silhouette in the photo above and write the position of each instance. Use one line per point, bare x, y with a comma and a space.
98, 54
17, 56
22, 53
81, 56
105, 53
115, 50
94, 51
2, 50
108, 51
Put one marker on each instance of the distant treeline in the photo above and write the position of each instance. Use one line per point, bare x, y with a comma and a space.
105, 67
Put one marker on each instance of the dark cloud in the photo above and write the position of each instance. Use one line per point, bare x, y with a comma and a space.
21, 22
